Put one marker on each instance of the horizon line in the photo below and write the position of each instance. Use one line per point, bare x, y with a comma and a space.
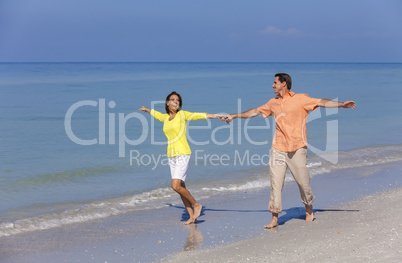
195, 62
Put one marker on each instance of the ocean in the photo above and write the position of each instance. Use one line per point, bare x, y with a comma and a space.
74, 146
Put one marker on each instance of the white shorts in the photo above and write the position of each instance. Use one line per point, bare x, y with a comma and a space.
178, 166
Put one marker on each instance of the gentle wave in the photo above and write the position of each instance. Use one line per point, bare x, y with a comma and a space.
97, 210
160, 197
255, 184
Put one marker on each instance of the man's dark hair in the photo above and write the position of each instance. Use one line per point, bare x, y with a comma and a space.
168, 98
283, 77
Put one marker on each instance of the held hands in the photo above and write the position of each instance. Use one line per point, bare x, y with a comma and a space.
226, 118
222, 117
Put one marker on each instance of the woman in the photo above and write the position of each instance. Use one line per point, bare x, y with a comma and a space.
178, 150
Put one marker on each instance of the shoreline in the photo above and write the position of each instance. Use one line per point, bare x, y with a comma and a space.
155, 235
205, 183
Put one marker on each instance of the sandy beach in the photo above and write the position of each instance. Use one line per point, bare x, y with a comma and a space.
367, 230
357, 218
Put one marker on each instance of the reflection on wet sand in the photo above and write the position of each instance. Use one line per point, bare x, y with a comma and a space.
194, 238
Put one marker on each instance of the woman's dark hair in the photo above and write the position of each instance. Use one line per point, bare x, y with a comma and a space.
283, 77
168, 98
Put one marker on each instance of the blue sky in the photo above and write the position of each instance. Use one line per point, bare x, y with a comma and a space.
200, 31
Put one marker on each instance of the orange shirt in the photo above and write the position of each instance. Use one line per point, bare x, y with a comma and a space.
290, 114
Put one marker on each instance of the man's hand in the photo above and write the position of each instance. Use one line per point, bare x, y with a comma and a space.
349, 104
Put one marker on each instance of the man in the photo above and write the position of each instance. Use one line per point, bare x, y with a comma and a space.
289, 145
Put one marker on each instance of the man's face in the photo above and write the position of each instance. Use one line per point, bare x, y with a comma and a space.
278, 86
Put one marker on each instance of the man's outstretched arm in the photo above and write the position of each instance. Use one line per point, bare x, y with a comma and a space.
334, 104
244, 115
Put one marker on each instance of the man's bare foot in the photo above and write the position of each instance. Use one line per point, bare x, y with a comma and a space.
190, 221
309, 213
274, 222
197, 211
271, 225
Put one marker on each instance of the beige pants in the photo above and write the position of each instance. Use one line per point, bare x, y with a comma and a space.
296, 161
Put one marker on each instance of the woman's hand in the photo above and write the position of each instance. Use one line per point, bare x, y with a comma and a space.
143, 108
215, 116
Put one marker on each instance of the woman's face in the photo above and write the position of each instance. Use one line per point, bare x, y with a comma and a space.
174, 103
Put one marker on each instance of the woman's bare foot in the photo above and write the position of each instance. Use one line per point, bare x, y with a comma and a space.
309, 213
197, 211
190, 221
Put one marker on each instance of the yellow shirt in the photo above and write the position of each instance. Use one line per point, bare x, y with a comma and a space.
176, 129
290, 114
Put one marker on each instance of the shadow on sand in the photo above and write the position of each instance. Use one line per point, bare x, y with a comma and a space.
300, 213
287, 214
